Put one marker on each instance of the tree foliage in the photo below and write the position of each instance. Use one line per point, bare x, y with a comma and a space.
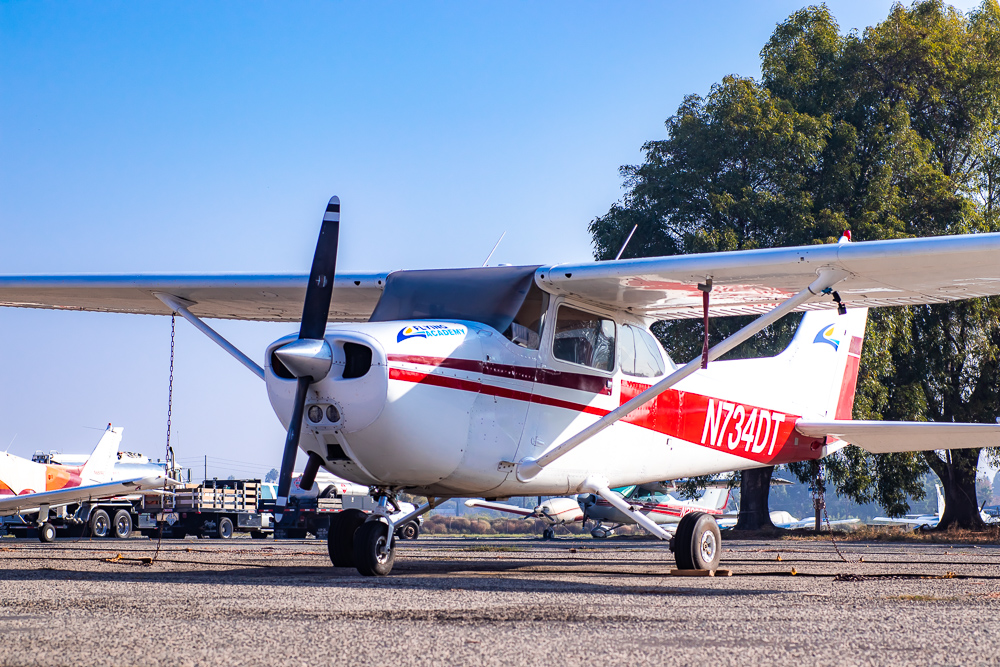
892, 133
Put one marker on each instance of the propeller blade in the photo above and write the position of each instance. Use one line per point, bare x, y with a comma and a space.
292, 442
310, 362
316, 308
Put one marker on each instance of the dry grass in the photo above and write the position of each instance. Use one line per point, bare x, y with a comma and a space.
989, 535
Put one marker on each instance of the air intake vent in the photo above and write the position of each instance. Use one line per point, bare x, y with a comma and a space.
279, 368
359, 360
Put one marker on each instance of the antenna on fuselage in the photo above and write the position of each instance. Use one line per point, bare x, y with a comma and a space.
619, 255
10, 443
495, 246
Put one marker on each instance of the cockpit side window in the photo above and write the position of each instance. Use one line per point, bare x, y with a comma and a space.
584, 338
526, 328
648, 360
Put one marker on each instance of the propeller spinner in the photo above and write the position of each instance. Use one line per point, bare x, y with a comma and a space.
309, 358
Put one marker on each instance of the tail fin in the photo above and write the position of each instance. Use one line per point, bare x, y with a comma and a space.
101, 463
823, 360
713, 498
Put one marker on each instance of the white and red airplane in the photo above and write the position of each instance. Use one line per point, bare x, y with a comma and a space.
544, 380
36, 489
652, 501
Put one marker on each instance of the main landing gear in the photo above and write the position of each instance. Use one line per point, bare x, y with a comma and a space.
368, 541
697, 544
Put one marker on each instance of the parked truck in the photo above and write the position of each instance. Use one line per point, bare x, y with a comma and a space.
214, 508
309, 512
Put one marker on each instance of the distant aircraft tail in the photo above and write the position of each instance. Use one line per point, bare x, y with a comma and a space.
101, 464
713, 499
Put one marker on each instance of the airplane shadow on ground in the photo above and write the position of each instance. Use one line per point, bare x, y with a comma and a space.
447, 577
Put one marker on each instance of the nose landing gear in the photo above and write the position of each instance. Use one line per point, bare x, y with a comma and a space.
368, 541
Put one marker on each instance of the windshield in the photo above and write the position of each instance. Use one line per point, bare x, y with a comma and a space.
491, 295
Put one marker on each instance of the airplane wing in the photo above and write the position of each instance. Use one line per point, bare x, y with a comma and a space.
32, 501
879, 273
500, 507
880, 437
269, 298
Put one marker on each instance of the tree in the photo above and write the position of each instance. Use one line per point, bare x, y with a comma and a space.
271, 476
892, 133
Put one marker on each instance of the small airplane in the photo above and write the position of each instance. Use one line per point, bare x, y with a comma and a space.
506, 381
33, 488
915, 521
554, 512
783, 519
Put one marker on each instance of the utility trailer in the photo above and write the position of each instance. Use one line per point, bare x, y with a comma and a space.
214, 508
109, 517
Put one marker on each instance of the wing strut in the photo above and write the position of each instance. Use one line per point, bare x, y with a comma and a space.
529, 467
180, 306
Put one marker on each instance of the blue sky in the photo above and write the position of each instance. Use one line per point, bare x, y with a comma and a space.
193, 136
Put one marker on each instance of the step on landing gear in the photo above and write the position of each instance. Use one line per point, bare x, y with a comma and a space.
697, 542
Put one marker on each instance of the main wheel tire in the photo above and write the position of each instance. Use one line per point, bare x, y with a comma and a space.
224, 529
698, 542
100, 524
340, 537
122, 525
369, 541
47, 532
409, 531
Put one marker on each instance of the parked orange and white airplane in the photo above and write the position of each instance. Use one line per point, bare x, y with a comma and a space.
38, 489
545, 380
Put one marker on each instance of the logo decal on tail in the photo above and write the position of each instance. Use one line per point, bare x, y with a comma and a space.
826, 336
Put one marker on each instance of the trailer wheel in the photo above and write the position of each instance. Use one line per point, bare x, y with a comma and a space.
122, 525
409, 531
225, 528
258, 535
100, 524
340, 537
369, 543
47, 532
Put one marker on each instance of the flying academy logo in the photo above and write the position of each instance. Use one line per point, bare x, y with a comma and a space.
826, 336
429, 331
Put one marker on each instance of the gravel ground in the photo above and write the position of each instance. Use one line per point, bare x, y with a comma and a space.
496, 602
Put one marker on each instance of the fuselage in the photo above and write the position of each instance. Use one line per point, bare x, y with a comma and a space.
446, 407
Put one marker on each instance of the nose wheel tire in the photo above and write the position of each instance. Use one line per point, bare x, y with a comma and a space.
122, 524
548, 534
698, 543
340, 538
47, 532
370, 554
100, 524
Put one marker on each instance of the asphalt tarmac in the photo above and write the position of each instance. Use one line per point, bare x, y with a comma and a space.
499, 601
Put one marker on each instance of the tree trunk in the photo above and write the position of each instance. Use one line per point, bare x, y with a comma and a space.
957, 473
755, 486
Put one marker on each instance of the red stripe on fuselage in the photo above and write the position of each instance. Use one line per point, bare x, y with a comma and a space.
750, 432
594, 384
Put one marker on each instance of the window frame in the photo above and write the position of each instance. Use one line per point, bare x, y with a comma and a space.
552, 323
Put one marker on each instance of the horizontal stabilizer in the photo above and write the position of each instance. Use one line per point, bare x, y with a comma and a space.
499, 507
881, 437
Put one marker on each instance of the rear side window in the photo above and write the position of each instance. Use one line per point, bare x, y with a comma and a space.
639, 353
585, 339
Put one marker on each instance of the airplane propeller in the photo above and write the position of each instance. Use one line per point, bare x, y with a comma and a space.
309, 358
